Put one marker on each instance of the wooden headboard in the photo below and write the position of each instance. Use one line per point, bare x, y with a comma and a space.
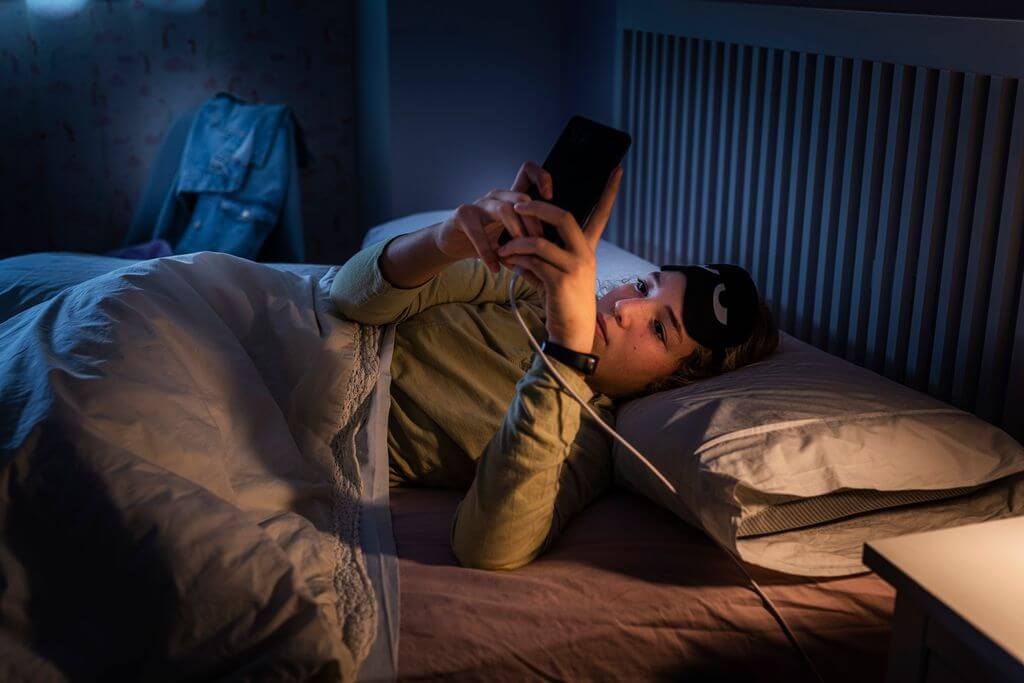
866, 168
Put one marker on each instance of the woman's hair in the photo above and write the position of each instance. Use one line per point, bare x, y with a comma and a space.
698, 365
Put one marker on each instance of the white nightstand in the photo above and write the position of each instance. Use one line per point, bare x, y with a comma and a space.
959, 602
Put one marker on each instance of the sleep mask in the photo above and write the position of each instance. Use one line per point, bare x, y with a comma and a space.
720, 305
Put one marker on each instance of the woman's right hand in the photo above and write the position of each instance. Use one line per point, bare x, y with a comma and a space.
473, 229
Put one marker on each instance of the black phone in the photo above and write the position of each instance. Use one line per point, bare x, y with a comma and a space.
583, 157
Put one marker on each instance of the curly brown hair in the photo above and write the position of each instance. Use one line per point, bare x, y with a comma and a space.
764, 339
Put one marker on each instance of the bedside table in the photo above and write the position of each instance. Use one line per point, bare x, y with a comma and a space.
959, 602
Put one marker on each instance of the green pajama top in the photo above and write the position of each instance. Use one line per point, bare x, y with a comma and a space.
472, 407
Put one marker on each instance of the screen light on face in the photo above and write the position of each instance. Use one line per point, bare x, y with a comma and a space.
55, 9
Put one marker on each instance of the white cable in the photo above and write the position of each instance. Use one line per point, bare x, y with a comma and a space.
769, 605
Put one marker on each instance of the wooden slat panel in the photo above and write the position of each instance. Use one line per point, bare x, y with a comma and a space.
878, 206
912, 208
819, 142
624, 206
894, 175
796, 192
710, 135
957, 234
696, 152
738, 151
933, 229
669, 197
766, 166
726, 130
686, 139
1007, 271
770, 283
846, 235
754, 133
983, 234
838, 117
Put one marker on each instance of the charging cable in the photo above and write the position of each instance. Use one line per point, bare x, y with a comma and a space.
769, 605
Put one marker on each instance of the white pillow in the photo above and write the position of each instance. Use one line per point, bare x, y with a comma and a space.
613, 263
763, 456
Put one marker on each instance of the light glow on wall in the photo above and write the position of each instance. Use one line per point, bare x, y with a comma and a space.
55, 9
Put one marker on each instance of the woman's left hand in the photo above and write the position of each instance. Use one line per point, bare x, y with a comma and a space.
568, 275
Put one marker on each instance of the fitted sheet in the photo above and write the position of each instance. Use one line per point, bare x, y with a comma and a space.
628, 592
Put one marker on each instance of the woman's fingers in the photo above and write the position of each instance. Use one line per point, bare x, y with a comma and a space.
561, 219
532, 173
527, 275
603, 211
501, 210
543, 271
538, 246
471, 219
531, 225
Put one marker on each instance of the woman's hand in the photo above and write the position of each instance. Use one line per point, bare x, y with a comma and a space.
473, 229
567, 275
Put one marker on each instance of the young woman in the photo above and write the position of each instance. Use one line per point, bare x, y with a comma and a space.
470, 404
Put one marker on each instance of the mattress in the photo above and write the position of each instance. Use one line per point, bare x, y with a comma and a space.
628, 592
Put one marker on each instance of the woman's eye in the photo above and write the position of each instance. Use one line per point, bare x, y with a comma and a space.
641, 286
659, 330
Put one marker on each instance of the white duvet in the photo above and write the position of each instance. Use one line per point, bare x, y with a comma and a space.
180, 446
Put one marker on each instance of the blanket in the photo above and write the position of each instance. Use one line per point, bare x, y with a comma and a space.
180, 492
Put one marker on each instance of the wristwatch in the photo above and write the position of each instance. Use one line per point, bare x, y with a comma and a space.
584, 362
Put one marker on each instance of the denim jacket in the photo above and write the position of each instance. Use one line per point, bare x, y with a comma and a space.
237, 188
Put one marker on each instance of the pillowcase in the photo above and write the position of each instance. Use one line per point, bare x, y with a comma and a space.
795, 461
613, 263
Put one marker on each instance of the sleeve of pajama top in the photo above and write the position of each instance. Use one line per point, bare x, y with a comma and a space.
548, 459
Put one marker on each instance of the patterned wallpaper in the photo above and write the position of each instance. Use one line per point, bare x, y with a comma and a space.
85, 101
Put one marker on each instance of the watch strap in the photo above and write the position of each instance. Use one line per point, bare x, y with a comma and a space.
584, 362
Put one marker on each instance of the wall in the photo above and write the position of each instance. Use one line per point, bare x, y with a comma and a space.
88, 99
471, 91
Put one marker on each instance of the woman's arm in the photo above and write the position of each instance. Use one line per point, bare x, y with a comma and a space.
509, 514
410, 260
388, 282
362, 293
545, 464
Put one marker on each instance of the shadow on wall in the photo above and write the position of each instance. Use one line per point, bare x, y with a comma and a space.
91, 87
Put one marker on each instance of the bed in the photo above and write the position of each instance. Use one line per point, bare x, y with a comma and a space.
629, 592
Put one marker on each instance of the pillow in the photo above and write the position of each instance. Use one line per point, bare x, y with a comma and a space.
797, 460
613, 263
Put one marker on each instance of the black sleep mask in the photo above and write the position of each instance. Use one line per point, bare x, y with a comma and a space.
720, 305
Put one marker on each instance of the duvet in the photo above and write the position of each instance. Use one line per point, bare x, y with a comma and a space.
180, 447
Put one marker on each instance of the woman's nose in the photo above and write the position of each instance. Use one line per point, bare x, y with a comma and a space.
627, 309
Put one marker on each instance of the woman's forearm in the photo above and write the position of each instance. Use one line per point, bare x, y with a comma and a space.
412, 259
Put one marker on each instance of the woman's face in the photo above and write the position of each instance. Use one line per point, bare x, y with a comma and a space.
640, 335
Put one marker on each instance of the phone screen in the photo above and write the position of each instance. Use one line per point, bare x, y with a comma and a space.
583, 157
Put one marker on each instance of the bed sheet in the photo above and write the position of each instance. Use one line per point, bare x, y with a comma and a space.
628, 592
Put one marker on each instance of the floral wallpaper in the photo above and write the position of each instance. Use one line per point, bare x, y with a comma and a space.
87, 98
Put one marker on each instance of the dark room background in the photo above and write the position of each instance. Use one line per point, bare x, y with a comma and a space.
405, 105
88, 97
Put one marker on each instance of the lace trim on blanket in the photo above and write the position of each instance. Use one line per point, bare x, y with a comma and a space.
357, 609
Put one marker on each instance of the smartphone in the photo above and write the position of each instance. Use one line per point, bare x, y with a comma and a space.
583, 157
